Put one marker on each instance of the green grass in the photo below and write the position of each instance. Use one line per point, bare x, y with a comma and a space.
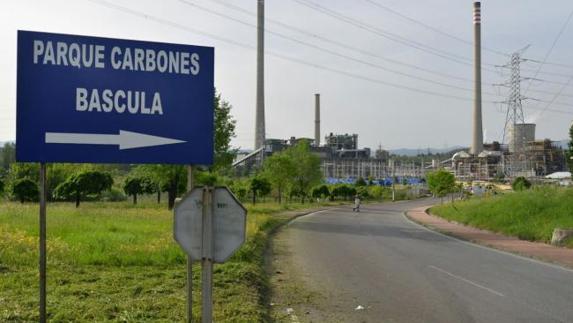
529, 215
118, 262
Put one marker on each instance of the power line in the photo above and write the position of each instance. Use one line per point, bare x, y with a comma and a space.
549, 63
169, 23
432, 28
551, 93
392, 36
539, 72
270, 53
331, 52
287, 58
555, 97
385, 34
551, 48
343, 45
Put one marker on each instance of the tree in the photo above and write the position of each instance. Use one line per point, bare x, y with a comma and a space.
360, 182
1, 187
23, 170
169, 178
81, 184
224, 130
259, 186
362, 192
57, 173
240, 187
173, 178
321, 191
343, 191
520, 184
441, 182
138, 185
569, 153
307, 169
8, 156
25, 189
279, 169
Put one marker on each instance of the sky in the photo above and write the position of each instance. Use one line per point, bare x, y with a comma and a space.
397, 73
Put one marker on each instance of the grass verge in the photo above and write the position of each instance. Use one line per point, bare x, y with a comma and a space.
529, 215
118, 262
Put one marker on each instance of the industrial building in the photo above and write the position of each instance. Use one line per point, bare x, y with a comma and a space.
523, 155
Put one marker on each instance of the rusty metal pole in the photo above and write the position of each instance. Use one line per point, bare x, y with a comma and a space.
190, 185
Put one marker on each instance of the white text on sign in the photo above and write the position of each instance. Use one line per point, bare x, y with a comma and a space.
119, 58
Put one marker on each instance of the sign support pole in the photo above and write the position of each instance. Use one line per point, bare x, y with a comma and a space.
207, 259
190, 185
42, 262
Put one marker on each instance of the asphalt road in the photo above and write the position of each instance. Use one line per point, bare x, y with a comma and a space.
401, 272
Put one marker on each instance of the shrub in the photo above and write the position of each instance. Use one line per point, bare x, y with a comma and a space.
138, 185
81, 184
520, 184
376, 192
441, 182
360, 182
113, 195
25, 189
343, 191
321, 191
362, 192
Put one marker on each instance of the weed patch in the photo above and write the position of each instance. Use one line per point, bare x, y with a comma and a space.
118, 262
528, 215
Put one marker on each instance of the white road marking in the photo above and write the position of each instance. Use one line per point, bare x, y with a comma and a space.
466, 280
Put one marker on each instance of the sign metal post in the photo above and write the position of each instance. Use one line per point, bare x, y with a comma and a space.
209, 225
190, 185
42, 262
207, 257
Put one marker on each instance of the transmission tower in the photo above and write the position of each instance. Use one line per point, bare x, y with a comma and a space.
517, 160
514, 113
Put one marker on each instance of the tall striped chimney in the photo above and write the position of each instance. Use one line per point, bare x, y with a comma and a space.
260, 114
477, 140
317, 120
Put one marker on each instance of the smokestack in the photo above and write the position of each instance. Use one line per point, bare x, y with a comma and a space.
260, 116
477, 142
317, 120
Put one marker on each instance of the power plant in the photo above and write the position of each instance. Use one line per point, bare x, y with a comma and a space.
522, 155
518, 154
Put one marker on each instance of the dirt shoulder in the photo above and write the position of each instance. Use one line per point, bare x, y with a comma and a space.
291, 298
537, 250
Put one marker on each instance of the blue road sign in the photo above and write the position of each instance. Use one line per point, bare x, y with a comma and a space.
102, 100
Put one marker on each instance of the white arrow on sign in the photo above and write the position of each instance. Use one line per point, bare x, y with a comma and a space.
125, 139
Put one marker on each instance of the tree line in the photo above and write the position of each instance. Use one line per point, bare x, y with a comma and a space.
78, 182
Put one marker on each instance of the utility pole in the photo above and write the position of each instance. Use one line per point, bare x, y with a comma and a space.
317, 120
393, 180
